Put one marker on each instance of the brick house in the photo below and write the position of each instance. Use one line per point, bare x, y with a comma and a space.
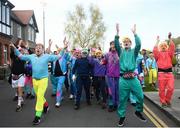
14, 25
5, 35
24, 26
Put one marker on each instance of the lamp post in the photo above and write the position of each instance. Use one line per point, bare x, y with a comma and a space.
44, 30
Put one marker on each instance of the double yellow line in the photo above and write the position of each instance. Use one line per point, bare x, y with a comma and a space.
155, 119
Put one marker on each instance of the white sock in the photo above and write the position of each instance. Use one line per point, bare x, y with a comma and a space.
20, 100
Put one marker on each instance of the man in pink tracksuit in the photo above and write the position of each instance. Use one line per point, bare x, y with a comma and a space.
163, 55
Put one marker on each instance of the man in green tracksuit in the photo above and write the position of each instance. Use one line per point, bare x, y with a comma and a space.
128, 81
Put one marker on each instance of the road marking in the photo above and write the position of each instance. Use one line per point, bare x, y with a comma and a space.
152, 119
155, 117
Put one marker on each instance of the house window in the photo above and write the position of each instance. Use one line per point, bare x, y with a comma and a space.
4, 18
0, 27
31, 34
3, 28
0, 10
19, 31
8, 30
12, 27
7, 16
5, 55
31, 21
3, 14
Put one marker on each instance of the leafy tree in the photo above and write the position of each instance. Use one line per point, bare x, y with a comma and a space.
176, 40
83, 31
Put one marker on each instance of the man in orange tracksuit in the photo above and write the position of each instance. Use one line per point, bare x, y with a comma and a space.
163, 55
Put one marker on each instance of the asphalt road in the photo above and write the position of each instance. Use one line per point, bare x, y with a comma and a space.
65, 116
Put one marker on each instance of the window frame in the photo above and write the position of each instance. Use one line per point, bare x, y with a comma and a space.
5, 18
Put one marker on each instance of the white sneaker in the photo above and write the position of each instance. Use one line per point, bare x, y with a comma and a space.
57, 104
71, 96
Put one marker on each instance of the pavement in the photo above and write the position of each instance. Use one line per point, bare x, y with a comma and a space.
172, 112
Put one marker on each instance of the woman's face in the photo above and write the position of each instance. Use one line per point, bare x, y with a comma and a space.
112, 46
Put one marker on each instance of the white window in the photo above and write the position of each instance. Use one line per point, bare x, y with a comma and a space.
8, 30
7, 15
29, 33
12, 27
19, 31
0, 10
3, 14
0, 27
33, 35
3, 28
31, 21
5, 55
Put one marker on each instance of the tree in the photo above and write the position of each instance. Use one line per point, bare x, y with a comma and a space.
176, 41
83, 31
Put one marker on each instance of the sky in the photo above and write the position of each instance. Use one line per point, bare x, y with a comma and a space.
152, 18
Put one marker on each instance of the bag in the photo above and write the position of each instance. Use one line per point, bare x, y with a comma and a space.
57, 69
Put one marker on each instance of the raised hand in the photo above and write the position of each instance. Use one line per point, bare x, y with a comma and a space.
169, 35
117, 29
57, 47
134, 29
50, 42
65, 43
157, 40
12, 45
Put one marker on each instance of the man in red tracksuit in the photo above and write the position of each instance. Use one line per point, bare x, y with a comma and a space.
163, 54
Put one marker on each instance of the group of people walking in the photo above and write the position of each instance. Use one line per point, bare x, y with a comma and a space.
113, 77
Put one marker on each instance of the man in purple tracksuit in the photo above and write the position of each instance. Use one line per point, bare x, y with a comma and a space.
112, 73
99, 70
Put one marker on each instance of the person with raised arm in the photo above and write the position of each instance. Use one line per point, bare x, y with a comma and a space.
128, 82
163, 54
39, 62
60, 71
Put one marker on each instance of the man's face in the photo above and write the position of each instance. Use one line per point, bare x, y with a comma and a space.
76, 54
127, 44
151, 55
39, 50
143, 52
99, 55
163, 47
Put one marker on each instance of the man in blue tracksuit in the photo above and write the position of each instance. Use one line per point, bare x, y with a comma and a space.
82, 72
59, 71
53, 79
75, 55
